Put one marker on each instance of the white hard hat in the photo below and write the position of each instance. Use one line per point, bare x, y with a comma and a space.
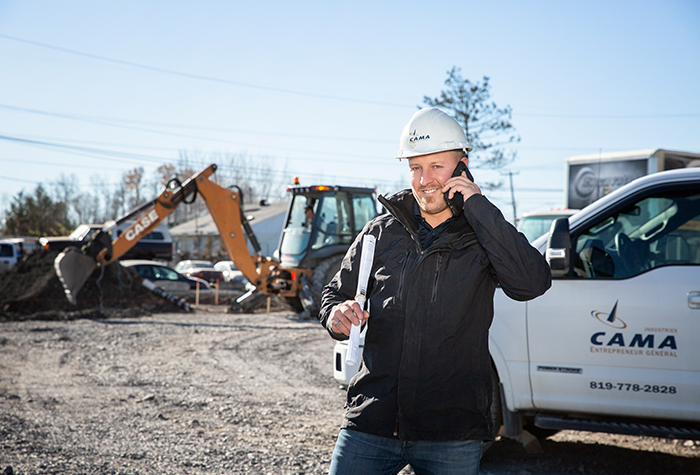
431, 131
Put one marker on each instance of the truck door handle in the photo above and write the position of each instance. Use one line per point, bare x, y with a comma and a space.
694, 299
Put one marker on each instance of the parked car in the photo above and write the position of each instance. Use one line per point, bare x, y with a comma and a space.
202, 269
231, 273
164, 276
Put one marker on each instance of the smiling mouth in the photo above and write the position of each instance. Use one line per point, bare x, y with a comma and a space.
429, 191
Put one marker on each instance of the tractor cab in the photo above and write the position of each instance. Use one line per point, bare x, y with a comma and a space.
323, 221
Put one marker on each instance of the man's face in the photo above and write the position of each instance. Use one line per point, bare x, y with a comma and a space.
428, 174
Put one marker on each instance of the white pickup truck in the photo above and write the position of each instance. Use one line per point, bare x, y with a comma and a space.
614, 345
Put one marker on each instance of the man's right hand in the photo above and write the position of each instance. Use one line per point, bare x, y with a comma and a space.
345, 315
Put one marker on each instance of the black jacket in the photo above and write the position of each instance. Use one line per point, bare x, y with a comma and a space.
426, 370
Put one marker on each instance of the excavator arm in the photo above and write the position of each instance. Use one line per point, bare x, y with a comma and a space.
73, 266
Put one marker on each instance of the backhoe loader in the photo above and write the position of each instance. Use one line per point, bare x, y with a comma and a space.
321, 223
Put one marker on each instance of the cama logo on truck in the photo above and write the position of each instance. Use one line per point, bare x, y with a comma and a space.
141, 225
639, 344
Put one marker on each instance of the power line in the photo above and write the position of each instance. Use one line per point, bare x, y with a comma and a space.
198, 76
161, 132
108, 121
273, 174
15, 179
123, 156
62, 147
133, 158
609, 116
317, 95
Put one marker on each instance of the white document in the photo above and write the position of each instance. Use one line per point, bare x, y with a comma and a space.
366, 259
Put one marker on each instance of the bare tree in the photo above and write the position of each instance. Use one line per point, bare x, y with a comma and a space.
259, 178
165, 173
66, 191
133, 183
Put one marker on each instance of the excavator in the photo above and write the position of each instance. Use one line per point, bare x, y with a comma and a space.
321, 223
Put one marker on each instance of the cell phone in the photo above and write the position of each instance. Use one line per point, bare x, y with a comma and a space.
456, 203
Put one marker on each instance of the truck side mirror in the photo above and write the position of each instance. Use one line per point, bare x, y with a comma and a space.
559, 247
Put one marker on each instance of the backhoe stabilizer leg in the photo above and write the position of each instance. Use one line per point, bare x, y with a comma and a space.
305, 293
248, 301
73, 269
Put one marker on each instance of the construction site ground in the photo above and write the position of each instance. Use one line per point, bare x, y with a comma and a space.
141, 387
210, 392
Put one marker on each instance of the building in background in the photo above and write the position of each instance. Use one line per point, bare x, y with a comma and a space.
199, 237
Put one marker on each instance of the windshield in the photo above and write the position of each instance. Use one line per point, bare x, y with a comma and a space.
332, 223
321, 219
535, 226
203, 265
295, 237
82, 231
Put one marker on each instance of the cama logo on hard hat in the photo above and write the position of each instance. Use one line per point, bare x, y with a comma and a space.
142, 224
413, 137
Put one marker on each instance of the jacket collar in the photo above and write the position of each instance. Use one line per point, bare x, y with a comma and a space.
400, 205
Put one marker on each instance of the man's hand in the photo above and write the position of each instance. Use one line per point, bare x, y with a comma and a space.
461, 184
345, 315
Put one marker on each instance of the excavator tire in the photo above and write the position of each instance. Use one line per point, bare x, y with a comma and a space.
323, 273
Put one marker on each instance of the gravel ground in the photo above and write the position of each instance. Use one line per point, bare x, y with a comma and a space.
216, 393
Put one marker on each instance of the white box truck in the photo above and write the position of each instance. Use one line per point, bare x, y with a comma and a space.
590, 177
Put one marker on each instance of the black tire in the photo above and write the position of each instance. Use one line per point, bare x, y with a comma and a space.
323, 273
496, 410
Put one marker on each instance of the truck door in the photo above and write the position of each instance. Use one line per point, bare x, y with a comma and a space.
620, 336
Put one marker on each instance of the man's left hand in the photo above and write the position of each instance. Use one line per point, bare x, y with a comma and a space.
461, 184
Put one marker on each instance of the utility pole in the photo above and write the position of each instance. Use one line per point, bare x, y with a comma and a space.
510, 173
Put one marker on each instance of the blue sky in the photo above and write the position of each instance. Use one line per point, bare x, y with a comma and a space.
322, 90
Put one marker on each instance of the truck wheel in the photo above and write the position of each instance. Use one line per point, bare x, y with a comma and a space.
496, 414
323, 273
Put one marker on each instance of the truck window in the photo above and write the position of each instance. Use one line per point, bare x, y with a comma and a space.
296, 233
364, 210
6, 250
163, 273
332, 221
658, 230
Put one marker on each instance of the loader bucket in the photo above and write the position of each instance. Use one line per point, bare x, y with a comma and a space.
73, 269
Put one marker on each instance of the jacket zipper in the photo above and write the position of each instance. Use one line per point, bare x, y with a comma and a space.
437, 277
402, 275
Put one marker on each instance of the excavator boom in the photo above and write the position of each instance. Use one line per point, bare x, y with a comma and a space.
74, 266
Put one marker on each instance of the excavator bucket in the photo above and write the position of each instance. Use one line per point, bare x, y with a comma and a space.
73, 268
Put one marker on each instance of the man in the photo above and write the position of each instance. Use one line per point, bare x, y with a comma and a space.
309, 215
422, 395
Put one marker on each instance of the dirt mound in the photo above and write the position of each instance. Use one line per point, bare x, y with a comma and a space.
32, 291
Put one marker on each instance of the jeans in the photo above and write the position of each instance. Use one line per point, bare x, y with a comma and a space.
357, 453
